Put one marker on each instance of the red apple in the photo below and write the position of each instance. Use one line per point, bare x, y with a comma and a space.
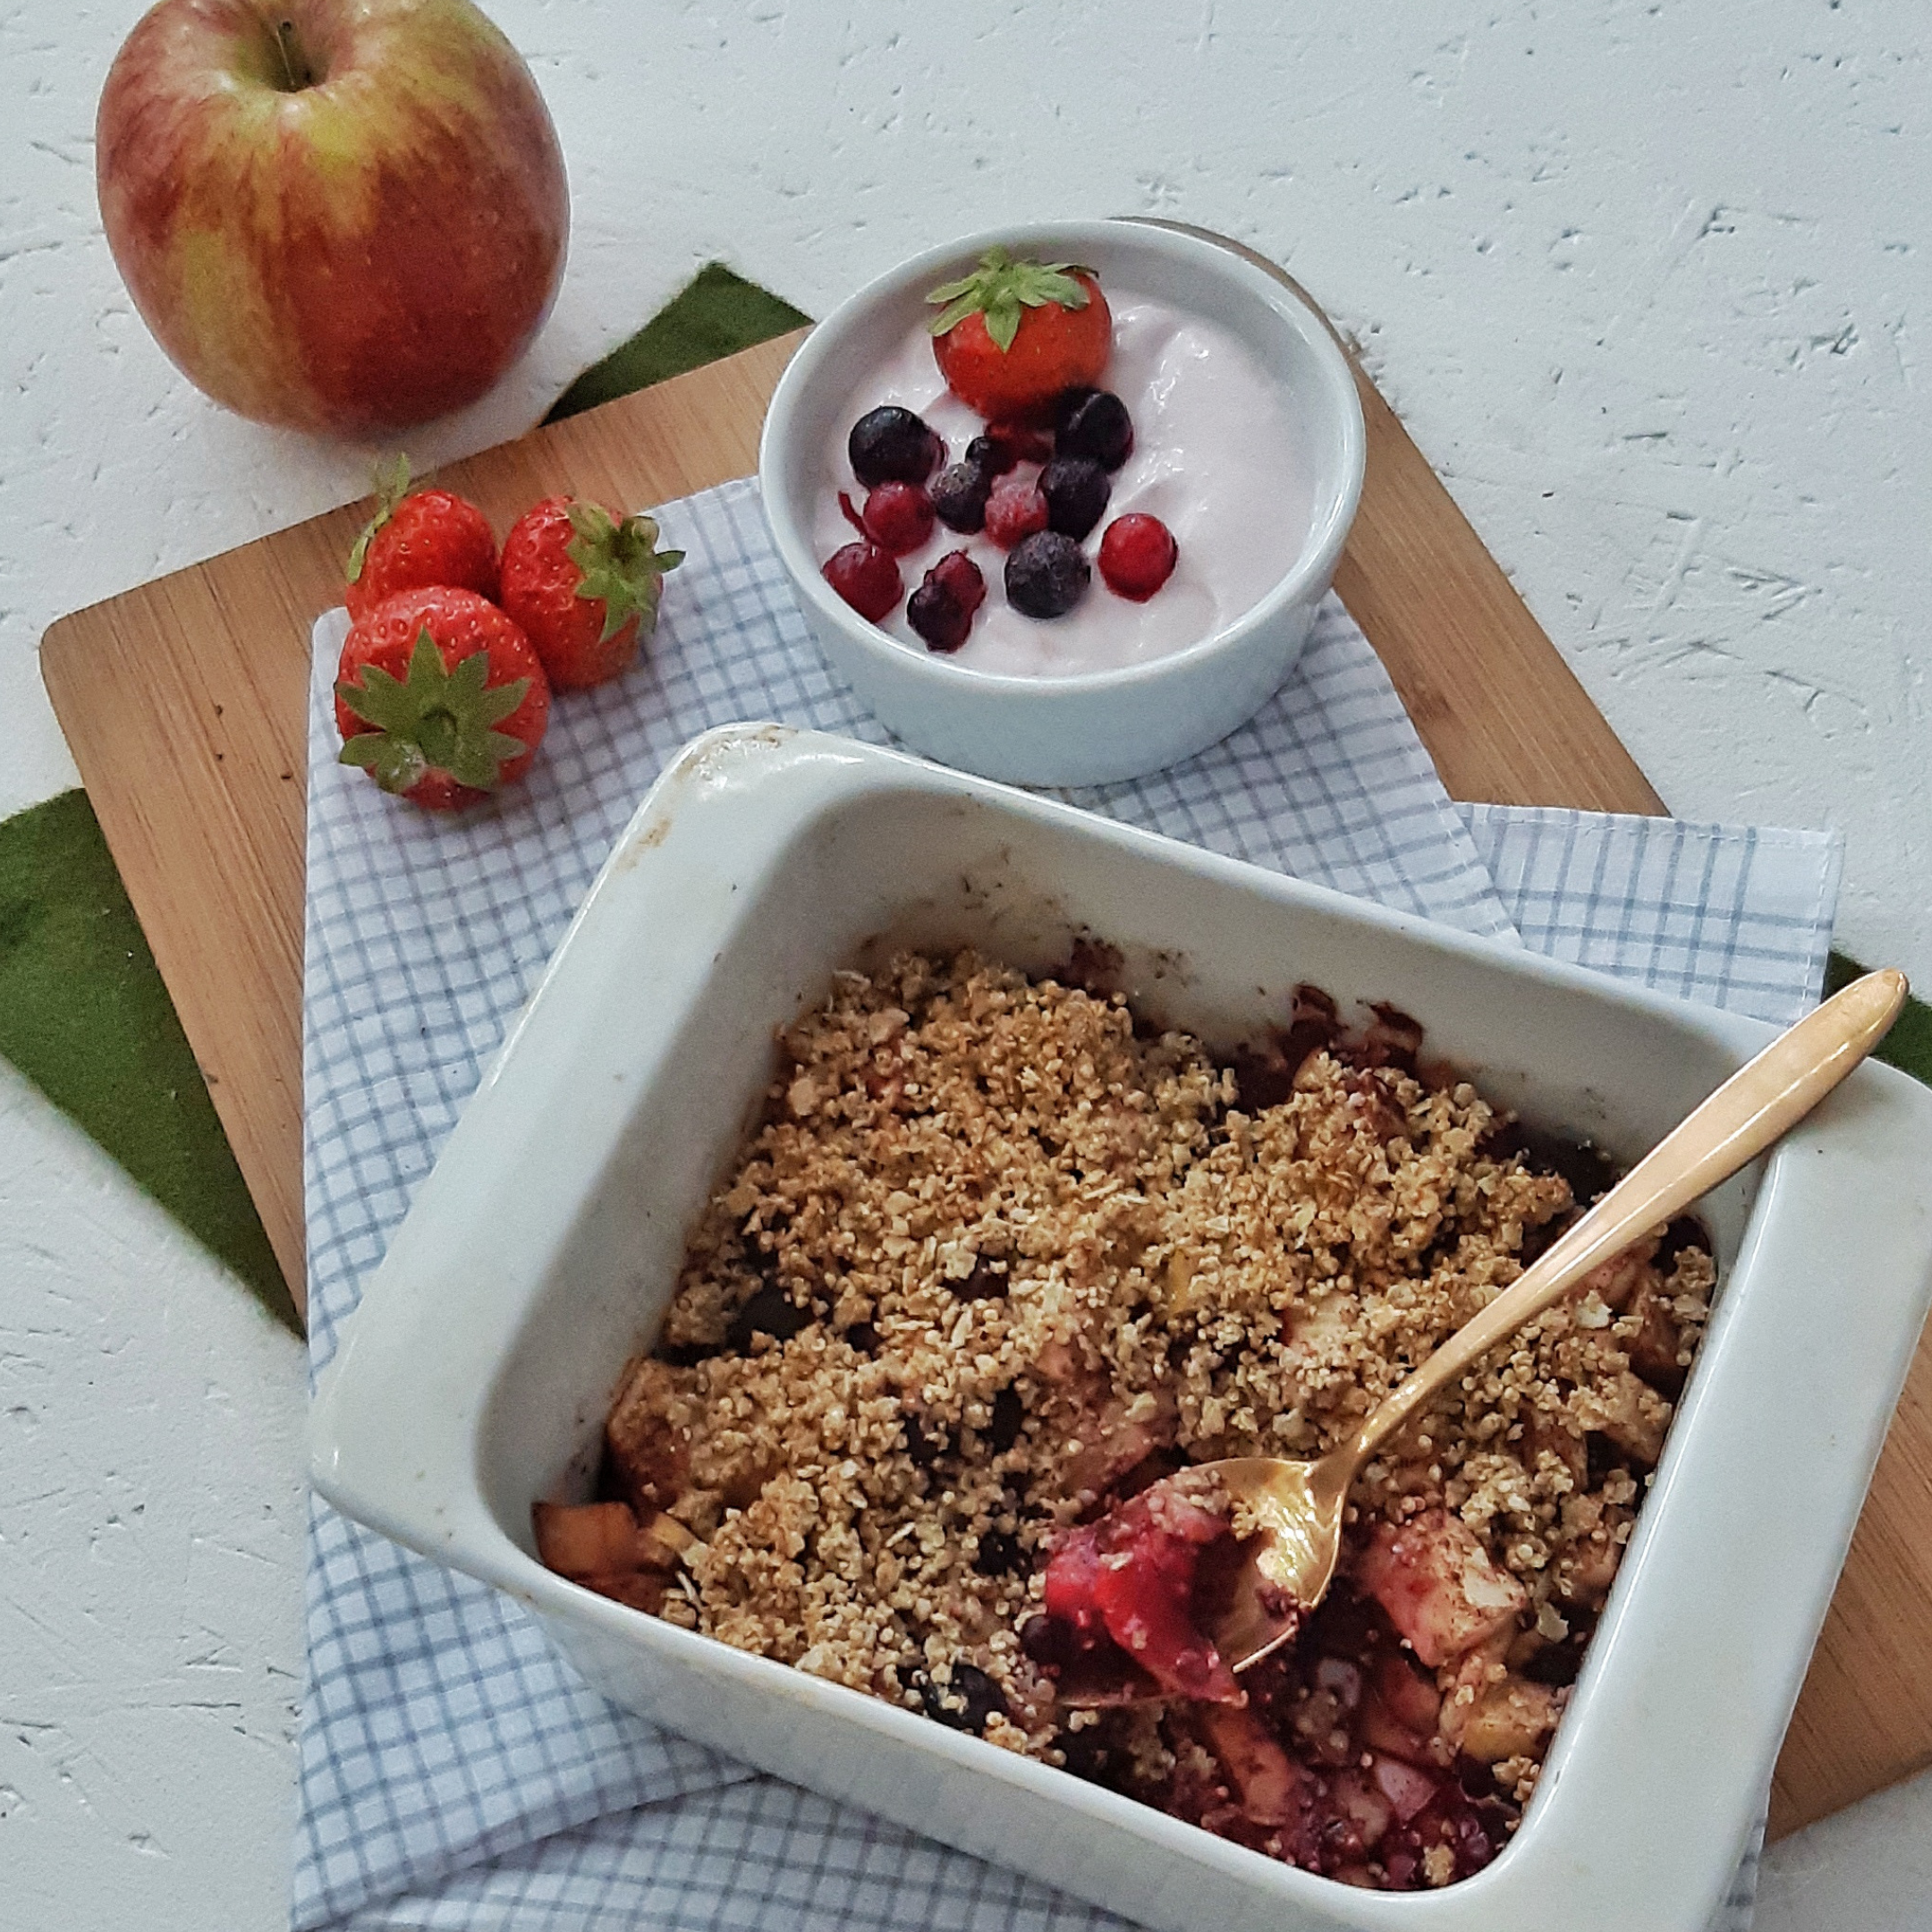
339, 215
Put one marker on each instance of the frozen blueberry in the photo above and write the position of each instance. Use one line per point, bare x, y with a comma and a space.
941, 610
890, 445
938, 618
959, 496
991, 453
1045, 575
1094, 423
1076, 489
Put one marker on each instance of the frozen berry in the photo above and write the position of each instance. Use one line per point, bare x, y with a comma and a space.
1046, 575
1076, 489
898, 517
1094, 423
941, 610
1022, 441
959, 496
866, 577
988, 454
938, 618
1137, 556
891, 445
1015, 509
961, 577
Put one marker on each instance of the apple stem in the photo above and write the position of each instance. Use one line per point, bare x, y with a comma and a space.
296, 72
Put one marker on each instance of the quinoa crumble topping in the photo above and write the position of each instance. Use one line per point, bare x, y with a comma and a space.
995, 1259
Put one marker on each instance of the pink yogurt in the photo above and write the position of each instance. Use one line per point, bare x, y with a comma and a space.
1214, 459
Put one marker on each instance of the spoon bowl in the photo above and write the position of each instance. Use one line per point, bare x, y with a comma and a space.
1289, 1513
1296, 1510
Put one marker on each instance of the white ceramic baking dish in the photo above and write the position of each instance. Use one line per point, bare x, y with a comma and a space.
541, 1252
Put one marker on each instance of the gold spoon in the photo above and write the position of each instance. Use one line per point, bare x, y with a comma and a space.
1297, 1506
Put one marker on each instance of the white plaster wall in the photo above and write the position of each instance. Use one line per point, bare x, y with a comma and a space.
1649, 283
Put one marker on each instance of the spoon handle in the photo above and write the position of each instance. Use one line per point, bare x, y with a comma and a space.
1764, 1098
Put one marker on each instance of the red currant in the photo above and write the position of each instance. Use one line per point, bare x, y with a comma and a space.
898, 517
959, 576
867, 578
1137, 556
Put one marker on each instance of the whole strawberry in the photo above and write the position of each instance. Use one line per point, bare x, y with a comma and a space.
439, 698
584, 585
1014, 336
415, 538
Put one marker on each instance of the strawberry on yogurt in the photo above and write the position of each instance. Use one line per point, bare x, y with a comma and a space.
1211, 458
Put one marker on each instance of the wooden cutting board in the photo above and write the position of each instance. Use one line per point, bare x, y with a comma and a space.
206, 823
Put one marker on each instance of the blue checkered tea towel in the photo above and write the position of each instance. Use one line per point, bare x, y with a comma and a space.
454, 1772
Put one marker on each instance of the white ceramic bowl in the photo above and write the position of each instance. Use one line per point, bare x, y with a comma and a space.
1101, 725
542, 1251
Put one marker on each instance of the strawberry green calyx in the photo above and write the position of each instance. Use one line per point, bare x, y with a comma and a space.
1000, 288
620, 562
392, 486
433, 720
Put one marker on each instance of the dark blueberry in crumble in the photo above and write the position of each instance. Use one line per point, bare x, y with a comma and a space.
1003, 1430
966, 1702
1050, 1641
987, 1282
770, 1311
1000, 1555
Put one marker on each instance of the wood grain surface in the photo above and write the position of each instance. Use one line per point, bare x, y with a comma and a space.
206, 823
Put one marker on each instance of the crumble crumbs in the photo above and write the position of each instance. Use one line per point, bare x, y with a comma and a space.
991, 1252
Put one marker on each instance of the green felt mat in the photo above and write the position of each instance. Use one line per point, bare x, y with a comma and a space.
84, 1015
719, 315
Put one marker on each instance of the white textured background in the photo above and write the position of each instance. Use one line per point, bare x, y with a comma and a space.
1649, 284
